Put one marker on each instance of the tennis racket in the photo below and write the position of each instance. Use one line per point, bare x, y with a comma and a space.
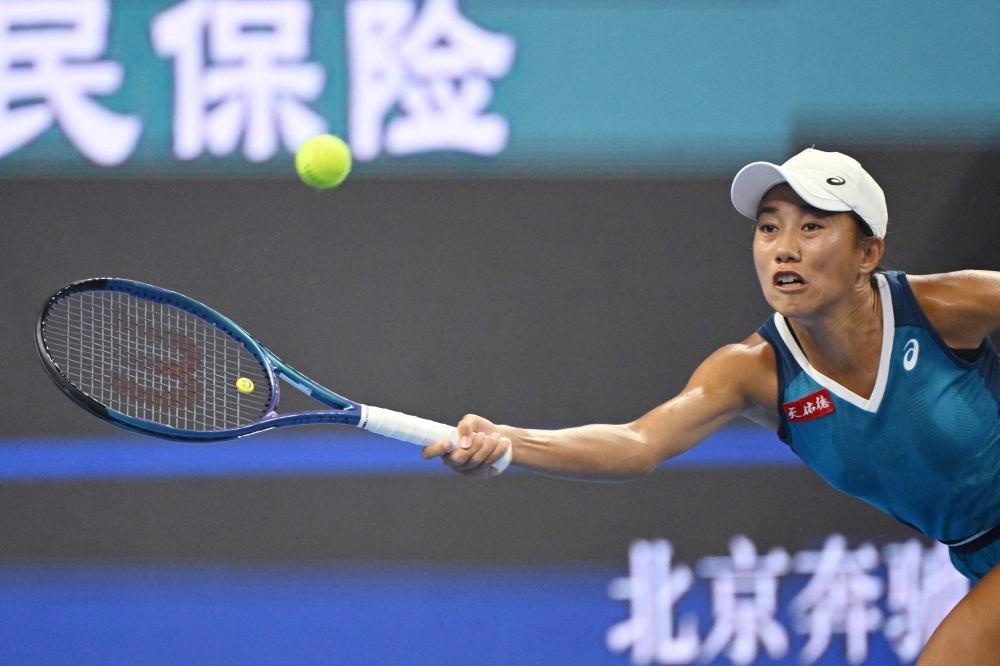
158, 363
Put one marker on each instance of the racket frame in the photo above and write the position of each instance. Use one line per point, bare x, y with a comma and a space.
341, 410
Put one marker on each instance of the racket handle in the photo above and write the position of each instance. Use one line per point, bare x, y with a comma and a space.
415, 430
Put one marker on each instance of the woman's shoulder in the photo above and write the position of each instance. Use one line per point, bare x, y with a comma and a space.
957, 281
963, 306
747, 367
751, 354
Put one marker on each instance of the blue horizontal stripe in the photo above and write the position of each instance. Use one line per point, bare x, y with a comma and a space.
283, 454
273, 615
738, 447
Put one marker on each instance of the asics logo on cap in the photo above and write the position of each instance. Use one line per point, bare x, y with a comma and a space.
836, 180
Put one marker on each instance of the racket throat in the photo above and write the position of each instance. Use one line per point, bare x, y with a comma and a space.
311, 388
302, 387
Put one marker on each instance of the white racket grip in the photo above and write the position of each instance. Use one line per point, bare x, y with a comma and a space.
415, 430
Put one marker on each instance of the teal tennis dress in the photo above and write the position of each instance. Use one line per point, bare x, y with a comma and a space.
924, 447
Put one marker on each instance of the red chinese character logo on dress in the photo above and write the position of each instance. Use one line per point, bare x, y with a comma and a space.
810, 407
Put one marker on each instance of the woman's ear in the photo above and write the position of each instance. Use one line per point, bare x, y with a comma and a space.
873, 248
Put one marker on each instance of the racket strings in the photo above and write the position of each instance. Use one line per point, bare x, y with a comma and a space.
183, 369
154, 361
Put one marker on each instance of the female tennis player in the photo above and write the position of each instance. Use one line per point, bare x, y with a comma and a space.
885, 384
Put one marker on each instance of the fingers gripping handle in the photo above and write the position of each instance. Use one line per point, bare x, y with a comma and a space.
415, 430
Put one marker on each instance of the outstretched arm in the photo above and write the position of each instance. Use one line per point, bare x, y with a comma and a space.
737, 379
963, 306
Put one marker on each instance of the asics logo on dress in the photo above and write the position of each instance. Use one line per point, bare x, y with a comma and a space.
910, 353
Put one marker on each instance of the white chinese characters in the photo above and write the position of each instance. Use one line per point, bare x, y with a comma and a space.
435, 67
923, 588
652, 589
744, 601
253, 84
421, 78
49, 69
811, 407
840, 597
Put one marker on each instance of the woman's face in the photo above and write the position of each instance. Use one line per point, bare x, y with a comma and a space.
807, 258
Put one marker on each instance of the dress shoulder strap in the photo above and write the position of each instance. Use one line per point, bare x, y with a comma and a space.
787, 367
905, 307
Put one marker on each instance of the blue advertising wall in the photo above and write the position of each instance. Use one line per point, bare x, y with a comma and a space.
311, 615
605, 87
141, 611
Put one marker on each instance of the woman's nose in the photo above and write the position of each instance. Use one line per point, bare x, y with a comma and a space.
786, 252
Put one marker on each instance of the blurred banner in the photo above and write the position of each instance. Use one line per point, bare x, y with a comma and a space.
233, 87
156, 553
835, 604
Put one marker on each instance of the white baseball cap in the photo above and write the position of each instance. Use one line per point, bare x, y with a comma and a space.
828, 181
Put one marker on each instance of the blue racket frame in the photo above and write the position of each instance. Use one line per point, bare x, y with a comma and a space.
342, 411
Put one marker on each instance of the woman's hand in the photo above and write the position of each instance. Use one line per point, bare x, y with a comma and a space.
480, 444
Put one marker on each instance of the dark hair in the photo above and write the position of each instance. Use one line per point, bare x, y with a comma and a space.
863, 227
865, 231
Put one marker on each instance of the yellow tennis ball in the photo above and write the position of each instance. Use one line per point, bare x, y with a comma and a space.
323, 161
244, 385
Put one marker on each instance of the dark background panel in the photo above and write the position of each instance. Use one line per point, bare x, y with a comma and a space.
536, 302
541, 302
519, 518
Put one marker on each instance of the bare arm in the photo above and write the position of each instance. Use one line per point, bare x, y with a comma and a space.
737, 379
964, 306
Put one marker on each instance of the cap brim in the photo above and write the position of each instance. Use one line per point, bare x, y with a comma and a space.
752, 183
754, 180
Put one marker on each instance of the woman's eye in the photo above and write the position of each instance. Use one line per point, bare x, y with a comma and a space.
767, 228
810, 226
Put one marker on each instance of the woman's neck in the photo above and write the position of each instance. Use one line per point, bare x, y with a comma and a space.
844, 340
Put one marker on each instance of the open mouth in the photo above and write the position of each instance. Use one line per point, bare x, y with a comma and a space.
788, 280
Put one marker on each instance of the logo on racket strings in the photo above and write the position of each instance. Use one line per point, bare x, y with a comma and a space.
154, 364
